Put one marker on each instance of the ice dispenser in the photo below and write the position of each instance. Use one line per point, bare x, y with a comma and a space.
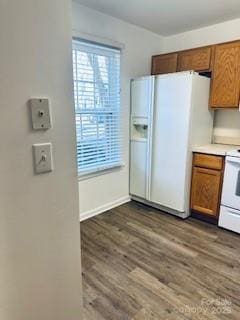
139, 129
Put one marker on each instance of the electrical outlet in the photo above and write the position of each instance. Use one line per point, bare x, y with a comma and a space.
43, 161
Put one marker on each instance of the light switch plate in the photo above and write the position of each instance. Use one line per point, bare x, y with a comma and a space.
40, 112
42, 155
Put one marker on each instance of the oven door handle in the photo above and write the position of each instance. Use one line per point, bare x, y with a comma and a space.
234, 213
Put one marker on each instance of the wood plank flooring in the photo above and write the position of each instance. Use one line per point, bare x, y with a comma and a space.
140, 264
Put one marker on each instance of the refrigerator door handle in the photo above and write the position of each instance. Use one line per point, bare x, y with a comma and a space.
149, 146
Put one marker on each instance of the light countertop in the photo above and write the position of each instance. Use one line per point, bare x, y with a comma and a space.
215, 149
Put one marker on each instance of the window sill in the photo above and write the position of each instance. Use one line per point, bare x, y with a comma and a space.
100, 172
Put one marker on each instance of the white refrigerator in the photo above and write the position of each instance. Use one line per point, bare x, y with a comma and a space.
169, 116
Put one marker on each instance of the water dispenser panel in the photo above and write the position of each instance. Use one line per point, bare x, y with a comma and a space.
139, 128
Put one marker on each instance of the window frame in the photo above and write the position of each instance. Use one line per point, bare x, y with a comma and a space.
104, 168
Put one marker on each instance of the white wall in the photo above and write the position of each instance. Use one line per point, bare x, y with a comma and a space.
227, 123
39, 229
101, 192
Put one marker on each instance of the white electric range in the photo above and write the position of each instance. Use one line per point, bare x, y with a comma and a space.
230, 203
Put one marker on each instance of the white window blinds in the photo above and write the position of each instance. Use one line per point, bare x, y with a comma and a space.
96, 74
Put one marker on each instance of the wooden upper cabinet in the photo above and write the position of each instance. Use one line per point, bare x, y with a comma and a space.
225, 87
206, 190
164, 63
198, 59
222, 60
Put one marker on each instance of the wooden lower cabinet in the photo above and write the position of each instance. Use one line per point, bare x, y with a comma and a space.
206, 189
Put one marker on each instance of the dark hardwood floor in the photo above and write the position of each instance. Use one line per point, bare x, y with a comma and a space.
140, 264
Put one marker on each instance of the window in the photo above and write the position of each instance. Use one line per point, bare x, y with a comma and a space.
96, 74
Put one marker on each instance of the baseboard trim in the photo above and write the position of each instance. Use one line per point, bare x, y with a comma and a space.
92, 213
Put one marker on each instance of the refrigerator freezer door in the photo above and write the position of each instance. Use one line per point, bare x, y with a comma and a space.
171, 140
138, 164
141, 96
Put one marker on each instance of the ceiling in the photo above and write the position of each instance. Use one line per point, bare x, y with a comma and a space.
167, 17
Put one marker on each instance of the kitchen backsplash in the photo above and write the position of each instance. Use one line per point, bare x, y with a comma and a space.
226, 127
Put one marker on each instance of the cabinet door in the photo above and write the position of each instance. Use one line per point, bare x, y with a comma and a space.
164, 63
195, 59
206, 188
225, 88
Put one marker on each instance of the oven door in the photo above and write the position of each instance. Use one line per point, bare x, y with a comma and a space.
231, 183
